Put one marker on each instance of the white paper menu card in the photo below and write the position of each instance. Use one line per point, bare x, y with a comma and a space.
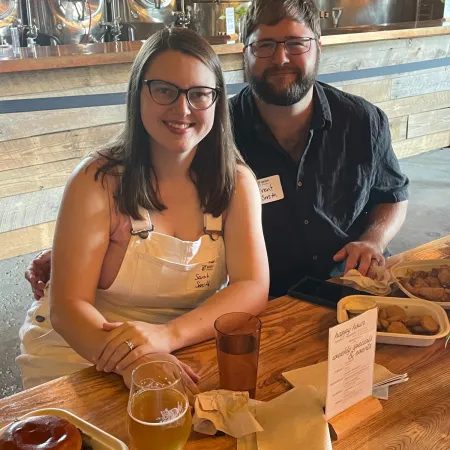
351, 358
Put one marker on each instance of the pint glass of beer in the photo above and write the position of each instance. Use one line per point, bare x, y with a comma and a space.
237, 342
159, 415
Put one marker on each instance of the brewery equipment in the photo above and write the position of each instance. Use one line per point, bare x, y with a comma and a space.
68, 21
141, 18
351, 13
10, 16
215, 18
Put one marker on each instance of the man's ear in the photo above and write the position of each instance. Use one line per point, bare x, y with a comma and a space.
320, 44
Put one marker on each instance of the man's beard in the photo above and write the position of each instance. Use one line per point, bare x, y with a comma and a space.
286, 96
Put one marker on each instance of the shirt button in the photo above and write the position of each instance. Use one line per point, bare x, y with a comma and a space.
315, 257
299, 184
306, 222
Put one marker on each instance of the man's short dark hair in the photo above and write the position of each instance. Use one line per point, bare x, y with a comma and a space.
271, 12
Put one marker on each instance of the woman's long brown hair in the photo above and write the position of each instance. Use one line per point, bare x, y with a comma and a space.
213, 169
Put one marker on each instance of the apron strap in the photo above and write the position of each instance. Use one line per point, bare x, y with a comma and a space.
213, 226
142, 227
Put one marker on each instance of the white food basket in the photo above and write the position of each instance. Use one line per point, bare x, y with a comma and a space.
400, 270
412, 307
100, 440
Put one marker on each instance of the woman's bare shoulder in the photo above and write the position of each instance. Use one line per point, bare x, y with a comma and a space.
88, 173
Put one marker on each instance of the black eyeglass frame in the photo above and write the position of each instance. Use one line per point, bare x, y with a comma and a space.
309, 39
182, 91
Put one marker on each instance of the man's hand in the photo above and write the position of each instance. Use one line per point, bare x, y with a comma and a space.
362, 255
189, 377
38, 273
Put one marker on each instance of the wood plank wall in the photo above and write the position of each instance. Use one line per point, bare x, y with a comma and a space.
38, 150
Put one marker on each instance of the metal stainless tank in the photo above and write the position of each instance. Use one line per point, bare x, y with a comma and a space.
367, 12
213, 18
10, 12
68, 21
143, 17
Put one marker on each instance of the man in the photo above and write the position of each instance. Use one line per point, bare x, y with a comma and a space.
331, 185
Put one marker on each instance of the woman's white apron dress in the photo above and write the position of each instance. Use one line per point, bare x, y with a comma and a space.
161, 277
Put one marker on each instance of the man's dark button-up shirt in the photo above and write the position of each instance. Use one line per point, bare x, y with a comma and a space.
347, 168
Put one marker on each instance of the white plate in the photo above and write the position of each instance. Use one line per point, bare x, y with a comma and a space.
100, 440
400, 269
413, 307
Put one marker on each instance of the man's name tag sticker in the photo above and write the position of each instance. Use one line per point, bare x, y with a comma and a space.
270, 189
200, 278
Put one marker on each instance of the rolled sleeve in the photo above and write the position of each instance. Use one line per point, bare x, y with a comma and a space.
389, 184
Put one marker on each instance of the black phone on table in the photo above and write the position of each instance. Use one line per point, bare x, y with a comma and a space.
322, 292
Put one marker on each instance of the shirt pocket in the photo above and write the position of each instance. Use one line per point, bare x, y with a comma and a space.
164, 284
344, 196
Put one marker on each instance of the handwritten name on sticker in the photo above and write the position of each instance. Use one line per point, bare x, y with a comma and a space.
200, 278
270, 189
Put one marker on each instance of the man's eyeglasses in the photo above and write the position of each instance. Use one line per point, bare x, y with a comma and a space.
165, 93
267, 47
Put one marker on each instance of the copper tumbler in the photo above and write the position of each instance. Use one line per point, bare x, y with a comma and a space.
237, 342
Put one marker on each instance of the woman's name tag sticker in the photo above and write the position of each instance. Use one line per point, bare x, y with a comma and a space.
201, 277
270, 189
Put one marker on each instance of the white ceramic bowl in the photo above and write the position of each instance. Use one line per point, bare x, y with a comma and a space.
400, 270
413, 307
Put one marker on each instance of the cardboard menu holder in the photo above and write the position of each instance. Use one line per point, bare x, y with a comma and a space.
351, 359
346, 421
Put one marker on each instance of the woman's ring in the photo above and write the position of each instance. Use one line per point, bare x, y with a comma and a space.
130, 345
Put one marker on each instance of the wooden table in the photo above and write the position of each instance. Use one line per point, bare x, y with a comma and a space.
294, 334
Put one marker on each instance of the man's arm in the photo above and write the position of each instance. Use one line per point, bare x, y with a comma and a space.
385, 221
38, 273
388, 202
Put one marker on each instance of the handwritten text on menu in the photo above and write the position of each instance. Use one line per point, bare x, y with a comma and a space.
351, 357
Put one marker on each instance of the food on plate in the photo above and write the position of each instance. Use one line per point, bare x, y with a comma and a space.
395, 311
393, 319
358, 306
431, 285
43, 432
429, 324
413, 321
398, 327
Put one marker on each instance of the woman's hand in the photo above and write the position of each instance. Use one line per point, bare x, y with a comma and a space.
129, 341
189, 377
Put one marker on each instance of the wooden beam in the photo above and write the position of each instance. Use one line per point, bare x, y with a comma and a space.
232, 62
365, 55
36, 178
22, 125
417, 104
39, 81
32, 208
422, 144
376, 91
409, 33
398, 128
421, 84
428, 122
107, 89
26, 240
31, 151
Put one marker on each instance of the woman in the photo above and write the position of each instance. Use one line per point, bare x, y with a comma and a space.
175, 180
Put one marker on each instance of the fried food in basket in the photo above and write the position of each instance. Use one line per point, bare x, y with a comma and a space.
433, 285
393, 319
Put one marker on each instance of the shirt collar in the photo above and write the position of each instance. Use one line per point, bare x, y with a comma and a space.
321, 117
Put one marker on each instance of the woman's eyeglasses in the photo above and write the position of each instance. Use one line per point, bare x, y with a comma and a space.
267, 47
165, 93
